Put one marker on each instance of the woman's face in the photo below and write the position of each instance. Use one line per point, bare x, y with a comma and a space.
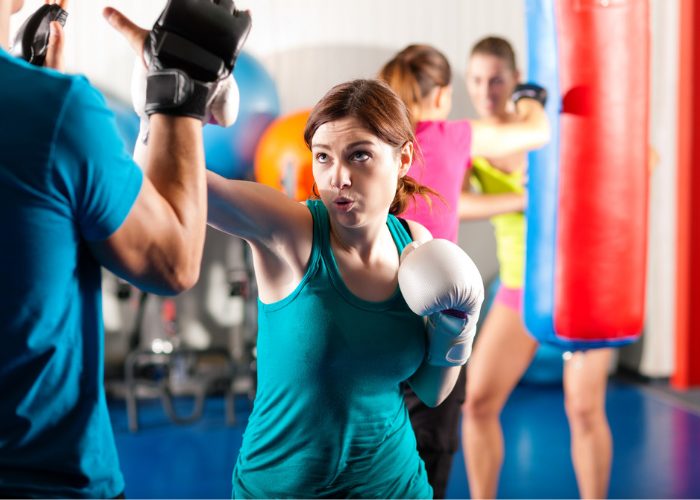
490, 83
356, 173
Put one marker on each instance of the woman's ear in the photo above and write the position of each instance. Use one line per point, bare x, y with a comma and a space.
406, 158
444, 97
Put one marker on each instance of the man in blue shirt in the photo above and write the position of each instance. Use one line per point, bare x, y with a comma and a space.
71, 200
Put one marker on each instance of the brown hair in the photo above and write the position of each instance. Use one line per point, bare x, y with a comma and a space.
414, 72
498, 47
380, 111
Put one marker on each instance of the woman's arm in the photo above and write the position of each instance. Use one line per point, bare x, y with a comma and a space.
432, 384
473, 206
529, 130
253, 212
278, 229
449, 336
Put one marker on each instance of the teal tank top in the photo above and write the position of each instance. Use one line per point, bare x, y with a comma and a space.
329, 418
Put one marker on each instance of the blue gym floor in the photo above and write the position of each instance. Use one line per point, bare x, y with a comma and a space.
656, 448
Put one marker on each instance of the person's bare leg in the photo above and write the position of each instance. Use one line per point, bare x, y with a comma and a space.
502, 352
585, 381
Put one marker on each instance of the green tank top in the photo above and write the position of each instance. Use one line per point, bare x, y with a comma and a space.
329, 418
509, 228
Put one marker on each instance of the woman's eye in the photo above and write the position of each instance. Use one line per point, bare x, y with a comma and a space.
321, 157
359, 156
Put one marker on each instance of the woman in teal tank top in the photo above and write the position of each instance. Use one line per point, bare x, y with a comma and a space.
336, 338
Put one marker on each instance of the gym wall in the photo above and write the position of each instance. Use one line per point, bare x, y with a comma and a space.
309, 45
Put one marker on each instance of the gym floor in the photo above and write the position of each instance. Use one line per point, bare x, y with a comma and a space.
656, 447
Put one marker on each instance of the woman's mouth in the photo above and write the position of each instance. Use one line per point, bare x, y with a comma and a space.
343, 204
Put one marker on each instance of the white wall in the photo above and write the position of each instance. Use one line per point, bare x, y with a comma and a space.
92, 46
654, 356
308, 45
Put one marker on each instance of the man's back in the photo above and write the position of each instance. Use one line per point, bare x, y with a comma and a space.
65, 178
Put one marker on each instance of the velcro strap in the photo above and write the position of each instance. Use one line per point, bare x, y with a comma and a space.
168, 88
172, 91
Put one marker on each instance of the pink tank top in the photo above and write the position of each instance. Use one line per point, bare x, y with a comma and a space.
446, 150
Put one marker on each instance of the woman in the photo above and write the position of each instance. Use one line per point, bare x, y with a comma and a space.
505, 349
335, 337
421, 76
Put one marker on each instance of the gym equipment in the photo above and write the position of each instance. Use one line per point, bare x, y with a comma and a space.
168, 370
586, 243
127, 120
230, 151
282, 159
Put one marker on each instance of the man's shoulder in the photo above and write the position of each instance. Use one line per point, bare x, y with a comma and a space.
39, 93
24, 78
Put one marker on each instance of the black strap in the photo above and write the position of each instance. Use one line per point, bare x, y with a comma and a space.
404, 223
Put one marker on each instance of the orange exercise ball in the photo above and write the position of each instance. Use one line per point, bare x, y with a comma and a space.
282, 159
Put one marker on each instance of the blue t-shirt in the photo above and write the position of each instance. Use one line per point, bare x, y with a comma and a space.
329, 418
65, 178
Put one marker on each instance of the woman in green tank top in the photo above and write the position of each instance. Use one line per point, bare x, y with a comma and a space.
336, 338
504, 349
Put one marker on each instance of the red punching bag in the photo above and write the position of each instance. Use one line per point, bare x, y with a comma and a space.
602, 217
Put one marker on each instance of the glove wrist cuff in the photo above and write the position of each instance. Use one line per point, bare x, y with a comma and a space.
457, 355
173, 92
450, 340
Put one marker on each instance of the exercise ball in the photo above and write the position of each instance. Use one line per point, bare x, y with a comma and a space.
547, 366
127, 120
282, 159
230, 151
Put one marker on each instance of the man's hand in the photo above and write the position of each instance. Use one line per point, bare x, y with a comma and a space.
40, 39
135, 35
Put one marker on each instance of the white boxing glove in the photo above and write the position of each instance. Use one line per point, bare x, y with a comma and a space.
439, 280
222, 107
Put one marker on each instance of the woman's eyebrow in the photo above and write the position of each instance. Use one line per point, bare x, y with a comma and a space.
349, 146
359, 143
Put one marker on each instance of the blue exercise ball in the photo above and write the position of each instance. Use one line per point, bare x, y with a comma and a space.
547, 366
230, 152
127, 120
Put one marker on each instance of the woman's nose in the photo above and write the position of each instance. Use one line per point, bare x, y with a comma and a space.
340, 177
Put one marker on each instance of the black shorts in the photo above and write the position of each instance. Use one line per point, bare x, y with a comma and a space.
437, 429
437, 432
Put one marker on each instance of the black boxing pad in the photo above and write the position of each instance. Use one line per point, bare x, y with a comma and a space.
200, 37
32, 38
192, 46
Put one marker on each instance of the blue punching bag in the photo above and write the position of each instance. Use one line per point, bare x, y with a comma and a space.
586, 238
543, 176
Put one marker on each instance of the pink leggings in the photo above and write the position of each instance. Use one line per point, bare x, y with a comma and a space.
512, 298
